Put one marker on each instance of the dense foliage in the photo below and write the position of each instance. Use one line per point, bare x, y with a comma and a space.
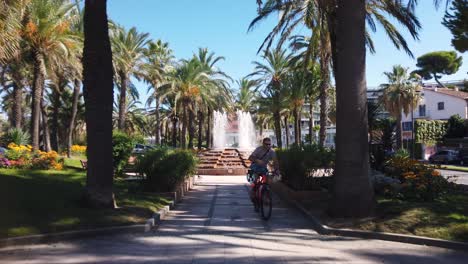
165, 168
438, 63
418, 181
123, 145
430, 131
299, 165
457, 23
455, 127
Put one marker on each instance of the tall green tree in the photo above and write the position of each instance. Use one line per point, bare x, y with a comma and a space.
399, 95
128, 49
158, 58
98, 94
246, 96
457, 23
48, 37
438, 63
272, 74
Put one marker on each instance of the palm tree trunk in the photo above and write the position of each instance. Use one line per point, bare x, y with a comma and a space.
17, 106
98, 94
183, 134
191, 127
38, 87
311, 121
200, 129
158, 122
286, 130
297, 135
277, 118
45, 127
299, 127
399, 138
353, 195
71, 125
55, 120
208, 128
324, 84
174, 131
122, 101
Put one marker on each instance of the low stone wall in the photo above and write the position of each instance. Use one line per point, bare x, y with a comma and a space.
222, 171
283, 190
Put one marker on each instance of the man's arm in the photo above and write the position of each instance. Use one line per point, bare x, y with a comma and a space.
254, 158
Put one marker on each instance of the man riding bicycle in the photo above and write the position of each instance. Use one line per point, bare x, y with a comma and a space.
260, 158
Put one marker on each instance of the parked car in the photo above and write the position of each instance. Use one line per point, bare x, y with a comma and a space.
445, 157
140, 148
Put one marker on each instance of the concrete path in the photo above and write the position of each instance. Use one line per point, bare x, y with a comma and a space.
460, 176
216, 224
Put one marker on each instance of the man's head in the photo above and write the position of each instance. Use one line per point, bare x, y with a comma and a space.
267, 143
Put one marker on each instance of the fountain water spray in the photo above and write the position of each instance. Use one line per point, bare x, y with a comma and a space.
219, 130
247, 136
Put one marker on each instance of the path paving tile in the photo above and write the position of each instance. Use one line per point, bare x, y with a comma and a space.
216, 223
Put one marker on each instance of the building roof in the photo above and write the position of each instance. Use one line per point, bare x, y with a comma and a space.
451, 92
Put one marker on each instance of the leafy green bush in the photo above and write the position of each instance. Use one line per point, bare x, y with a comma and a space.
298, 165
430, 132
165, 168
15, 135
456, 127
123, 146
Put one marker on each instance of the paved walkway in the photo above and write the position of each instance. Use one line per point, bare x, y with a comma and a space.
460, 176
216, 224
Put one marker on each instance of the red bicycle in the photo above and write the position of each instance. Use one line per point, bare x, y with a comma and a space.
262, 194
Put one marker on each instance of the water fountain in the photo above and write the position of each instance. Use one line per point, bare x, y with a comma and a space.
233, 139
247, 136
219, 130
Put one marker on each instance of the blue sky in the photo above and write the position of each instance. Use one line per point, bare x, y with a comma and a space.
221, 26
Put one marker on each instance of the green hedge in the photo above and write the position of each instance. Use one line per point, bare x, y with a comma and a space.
297, 164
165, 168
430, 132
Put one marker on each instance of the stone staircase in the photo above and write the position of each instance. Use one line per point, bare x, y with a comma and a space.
223, 162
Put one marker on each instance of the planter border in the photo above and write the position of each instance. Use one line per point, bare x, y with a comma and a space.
326, 230
150, 224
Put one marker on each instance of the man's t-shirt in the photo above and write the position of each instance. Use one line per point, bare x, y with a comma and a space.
263, 154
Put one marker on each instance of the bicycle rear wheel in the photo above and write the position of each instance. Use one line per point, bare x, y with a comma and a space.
266, 204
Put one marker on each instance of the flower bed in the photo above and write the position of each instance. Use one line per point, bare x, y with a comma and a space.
23, 157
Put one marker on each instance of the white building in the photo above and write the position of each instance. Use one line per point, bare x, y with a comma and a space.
436, 104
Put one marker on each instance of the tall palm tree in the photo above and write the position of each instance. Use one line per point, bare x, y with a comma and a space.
128, 49
272, 73
12, 13
400, 94
247, 94
353, 194
98, 93
320, 18
297, 83
158, 62
48, 37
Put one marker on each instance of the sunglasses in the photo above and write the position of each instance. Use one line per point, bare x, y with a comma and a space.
267, 144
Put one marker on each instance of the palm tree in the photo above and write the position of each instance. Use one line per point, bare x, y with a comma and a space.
400, 94
128, 49
353, 194
297, 83
273, 74
158, 62
247, 95
98, 93
135, 121
320, 18
11, 17
48, 37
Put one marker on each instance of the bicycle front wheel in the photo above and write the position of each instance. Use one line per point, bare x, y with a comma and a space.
266, 204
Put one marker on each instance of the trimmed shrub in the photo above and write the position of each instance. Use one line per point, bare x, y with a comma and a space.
123, 146
165, 168
298, 166
455, 127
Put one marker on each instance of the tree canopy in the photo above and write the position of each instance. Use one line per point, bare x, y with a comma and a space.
457, 23
438, 63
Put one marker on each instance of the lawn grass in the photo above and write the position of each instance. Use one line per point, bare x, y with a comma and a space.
444, 218
454, 168
41, 201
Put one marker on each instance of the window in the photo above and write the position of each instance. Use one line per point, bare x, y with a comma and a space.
422, 110
440, 106
407, 126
